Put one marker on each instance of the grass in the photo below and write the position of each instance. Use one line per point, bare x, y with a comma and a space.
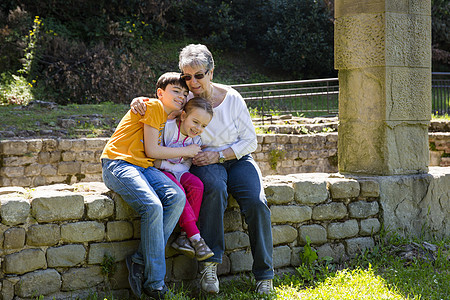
38, 119
379, 273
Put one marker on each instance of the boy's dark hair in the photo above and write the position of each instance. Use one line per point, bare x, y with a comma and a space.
171, 78
199, 102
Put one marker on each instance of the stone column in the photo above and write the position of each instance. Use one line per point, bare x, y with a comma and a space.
383, 54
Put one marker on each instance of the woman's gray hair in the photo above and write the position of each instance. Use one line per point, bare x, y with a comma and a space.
195, 55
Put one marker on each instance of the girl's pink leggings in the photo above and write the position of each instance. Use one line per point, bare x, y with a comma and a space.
193, 188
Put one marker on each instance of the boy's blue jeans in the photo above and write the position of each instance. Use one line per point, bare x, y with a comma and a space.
159, 202
242, 179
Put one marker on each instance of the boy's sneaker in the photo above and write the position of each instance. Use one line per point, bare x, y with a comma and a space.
158, 294
135, 276
209, 282
202, 250
183, 245
264, 286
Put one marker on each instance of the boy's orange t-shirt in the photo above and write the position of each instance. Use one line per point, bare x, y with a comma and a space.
127, 142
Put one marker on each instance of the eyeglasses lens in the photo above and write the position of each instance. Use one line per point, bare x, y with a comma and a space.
197, 76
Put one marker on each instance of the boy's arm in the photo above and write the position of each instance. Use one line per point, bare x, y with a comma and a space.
153, 150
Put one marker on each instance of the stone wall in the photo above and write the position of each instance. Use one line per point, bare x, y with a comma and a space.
54, 239
37, 162
440, 149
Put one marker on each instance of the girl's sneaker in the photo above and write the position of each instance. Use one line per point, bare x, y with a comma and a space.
183, 245
202, 250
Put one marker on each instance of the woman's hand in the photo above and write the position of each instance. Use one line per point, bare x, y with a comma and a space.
138, 105
206, 158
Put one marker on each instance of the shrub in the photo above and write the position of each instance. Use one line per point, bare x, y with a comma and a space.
301, 38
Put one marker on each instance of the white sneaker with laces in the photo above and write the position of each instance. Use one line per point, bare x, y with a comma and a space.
209, 281
264, 286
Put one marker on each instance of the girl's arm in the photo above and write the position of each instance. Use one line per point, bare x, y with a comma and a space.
153, 150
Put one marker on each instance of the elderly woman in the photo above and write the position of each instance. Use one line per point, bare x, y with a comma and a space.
226, 166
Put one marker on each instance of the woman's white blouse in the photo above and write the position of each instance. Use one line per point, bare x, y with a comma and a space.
231, 126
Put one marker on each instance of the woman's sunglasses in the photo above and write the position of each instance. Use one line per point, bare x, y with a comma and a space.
197, 76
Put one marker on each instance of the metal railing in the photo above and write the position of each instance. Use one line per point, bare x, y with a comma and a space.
440, 91
319, 97
310, 97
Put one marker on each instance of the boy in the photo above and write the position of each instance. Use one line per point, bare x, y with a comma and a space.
128, 169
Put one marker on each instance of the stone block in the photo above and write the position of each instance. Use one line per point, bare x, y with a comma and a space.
13, 147
16, 190
295, 256
91, 168
363, 209
14, 238
98, 206
336, 251
119, 280
344, 188
81, 278
369, 227
241, 261
235, 240
184, 268
49, 144
85, 156
14, 210
369, 188
283, 234
411, 103
386, 147
343, 230
270, 139
96, 143
48, 170
49, 157
123, 210
64, 144
225, 266
316, 233
119, 230
363, 105
118, 250
290, 213
279, 192
78, 145
81, 232
358, 245
330, 211
49, 206
34, 145
310, 191
7, 290
33, 170
65, 256
232, 221
68, 156
43, 235
281, 256
12, 171
16, 161
69, 168
24, 261
399, 199
360, 41
42, 282
408, 40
